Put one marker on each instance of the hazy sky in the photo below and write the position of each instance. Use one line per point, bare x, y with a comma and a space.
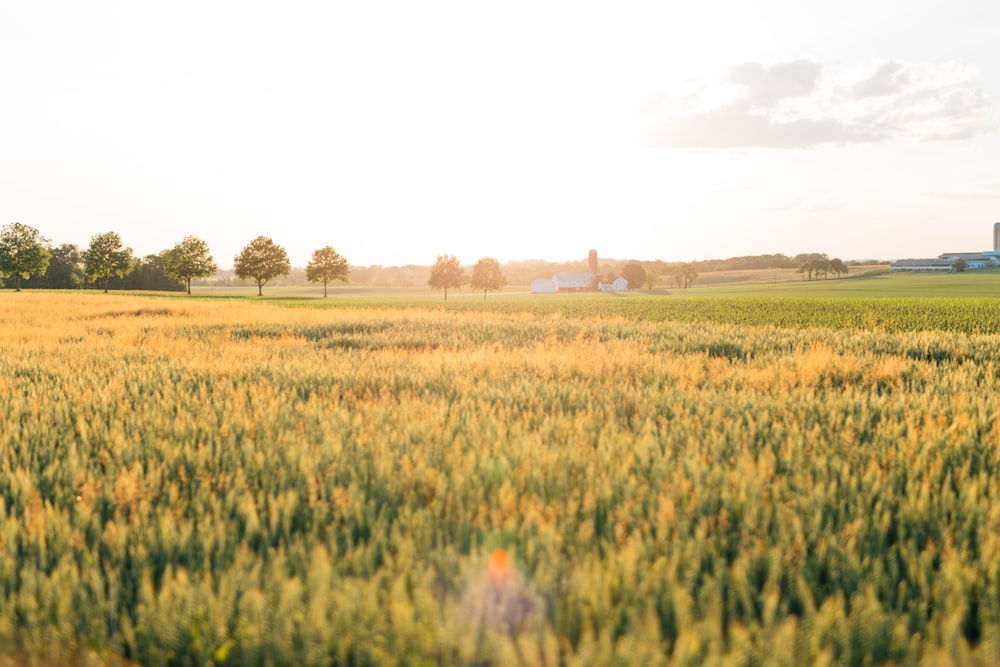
396, 131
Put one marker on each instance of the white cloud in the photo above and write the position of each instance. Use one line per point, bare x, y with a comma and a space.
801, 104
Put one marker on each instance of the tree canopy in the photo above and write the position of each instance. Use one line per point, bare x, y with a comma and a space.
651, 277
149, 274
22, 252
838, 267
189, 259
326, 266
820, 264
685, 275
446, 273
106, 257
65, 270
261, 260
634, 274
487, 276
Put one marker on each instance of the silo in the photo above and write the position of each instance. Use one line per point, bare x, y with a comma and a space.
593, 259
996, 235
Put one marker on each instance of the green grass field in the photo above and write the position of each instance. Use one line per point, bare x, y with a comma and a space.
878, 283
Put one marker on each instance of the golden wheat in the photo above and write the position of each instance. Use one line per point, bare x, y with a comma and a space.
188, 481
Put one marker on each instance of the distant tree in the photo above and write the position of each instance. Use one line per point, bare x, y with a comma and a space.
634, 274
65, 269
651, 277
487, 276
189, 259
22, 252
326, 266
149, 274
960, 265
804, 257
814, 267
685, 275
823, 267
446, 273
261, 260
106, 257
690, 275
838, 267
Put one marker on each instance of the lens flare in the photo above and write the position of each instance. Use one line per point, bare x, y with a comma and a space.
498, 567
499, 596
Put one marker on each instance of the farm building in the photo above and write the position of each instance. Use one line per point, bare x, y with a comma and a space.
578, 282
619, 284
543, 286
573, 282
945, 261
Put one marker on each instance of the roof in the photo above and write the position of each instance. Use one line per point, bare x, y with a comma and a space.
975, 256
573, 279
923, 263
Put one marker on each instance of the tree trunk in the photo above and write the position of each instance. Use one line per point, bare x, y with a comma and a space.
445, 293
260, 288
324, 289
18, 283
189, 285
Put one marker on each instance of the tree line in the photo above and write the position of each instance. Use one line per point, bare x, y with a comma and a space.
28, 259
762, 262
821, 265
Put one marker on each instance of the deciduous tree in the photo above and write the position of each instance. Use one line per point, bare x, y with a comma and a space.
149, 273
446, 273
261, 260
487, 276
106, 257
651, 277
685, 275
22, 252
187, 260
65, 269
326, 266
634, 274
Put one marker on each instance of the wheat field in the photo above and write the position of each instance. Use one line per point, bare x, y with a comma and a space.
192, 482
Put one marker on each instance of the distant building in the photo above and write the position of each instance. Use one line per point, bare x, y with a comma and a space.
619, 284
945, 261
544, 286
573, 282
578, 282
921, 265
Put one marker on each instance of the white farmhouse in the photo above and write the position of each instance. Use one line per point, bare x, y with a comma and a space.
619, 284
